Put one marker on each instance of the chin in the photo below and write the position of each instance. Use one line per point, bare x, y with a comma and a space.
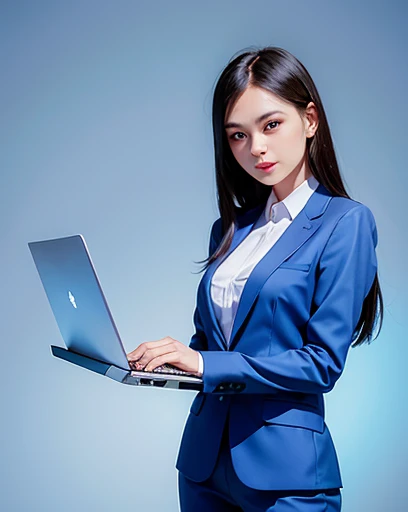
268, 179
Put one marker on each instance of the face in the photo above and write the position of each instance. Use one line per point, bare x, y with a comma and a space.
255, 137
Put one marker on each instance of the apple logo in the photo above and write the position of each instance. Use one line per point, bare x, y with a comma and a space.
72, 299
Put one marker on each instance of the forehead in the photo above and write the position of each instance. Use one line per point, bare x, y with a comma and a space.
254, 102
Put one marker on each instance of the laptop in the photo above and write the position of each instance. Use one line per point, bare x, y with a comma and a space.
85, 321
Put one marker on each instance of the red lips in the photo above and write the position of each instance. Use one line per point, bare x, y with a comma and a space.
262, 165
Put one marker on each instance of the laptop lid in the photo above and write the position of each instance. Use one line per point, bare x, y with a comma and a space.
77, 300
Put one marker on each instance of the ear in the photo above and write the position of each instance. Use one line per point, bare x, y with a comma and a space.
311, 119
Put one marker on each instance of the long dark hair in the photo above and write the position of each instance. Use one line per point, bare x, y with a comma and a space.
278, 71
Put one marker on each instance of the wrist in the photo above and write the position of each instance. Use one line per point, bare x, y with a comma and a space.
199, 372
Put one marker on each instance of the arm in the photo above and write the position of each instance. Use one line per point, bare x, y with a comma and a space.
347, 268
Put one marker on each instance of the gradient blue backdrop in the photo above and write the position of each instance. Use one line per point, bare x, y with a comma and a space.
106, 131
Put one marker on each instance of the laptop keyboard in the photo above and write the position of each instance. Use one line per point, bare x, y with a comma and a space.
165, 368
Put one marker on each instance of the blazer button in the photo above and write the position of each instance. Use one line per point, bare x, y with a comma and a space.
221, 398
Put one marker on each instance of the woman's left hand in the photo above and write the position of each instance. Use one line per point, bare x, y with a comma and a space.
151, 354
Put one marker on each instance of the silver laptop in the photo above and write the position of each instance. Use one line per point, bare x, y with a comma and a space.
85, 321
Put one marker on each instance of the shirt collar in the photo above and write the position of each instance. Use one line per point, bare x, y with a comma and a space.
292, 204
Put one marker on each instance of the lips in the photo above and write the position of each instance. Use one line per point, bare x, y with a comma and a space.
264, 165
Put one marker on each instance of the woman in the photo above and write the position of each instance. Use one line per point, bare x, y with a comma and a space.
290, 282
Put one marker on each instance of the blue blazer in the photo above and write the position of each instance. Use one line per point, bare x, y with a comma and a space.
293, 329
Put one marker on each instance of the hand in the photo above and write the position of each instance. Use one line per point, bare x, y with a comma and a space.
151, 354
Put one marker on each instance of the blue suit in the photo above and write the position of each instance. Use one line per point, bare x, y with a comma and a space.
290, 339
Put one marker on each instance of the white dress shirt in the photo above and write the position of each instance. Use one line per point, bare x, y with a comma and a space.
231, 275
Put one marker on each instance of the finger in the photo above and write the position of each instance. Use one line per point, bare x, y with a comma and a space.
169, 357
152, 354
156, 361
154, 349
136, 354
181, 357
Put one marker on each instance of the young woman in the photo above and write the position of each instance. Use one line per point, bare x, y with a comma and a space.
290, 283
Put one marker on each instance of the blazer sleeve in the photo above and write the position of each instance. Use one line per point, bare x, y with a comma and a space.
345, 274
198, 340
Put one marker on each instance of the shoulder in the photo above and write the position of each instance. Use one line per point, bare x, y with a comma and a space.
350, 220
350, 208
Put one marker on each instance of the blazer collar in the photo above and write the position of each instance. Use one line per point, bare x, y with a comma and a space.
304, 225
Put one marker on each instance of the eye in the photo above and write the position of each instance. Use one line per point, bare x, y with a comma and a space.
232, 137
273, 122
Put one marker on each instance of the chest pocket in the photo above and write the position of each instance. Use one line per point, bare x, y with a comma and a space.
295, 266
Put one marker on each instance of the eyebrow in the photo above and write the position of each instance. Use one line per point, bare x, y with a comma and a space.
264, 116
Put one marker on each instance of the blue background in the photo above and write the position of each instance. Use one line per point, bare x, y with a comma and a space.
105, 130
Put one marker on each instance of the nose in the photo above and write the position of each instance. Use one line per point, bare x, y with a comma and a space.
258, 147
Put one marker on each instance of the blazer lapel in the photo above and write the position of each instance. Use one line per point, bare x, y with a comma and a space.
305, 224
243, 227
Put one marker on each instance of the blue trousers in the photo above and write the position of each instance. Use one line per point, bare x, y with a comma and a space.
224, 492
